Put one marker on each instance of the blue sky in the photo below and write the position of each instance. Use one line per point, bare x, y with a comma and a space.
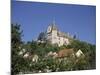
34, 17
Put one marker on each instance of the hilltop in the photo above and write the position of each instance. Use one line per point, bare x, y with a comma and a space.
36, 57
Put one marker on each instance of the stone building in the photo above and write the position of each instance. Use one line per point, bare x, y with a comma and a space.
55, 36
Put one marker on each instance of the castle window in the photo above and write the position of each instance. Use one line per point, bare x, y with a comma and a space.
59, 38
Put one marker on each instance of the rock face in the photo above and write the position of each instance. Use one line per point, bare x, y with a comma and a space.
66, 53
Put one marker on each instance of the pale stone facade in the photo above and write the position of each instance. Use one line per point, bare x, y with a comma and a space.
54, 36
79, 53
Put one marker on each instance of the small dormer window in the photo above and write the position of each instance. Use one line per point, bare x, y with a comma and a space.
49, 29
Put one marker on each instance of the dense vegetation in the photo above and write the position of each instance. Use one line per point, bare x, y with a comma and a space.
22, 65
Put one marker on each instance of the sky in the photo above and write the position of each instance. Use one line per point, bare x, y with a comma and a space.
35, 17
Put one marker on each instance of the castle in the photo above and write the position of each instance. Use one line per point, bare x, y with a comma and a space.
55, 36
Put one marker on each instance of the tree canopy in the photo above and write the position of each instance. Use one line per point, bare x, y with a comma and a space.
22, 65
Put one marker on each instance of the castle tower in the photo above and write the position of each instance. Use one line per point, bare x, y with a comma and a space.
52, 27
54, 36
52, 33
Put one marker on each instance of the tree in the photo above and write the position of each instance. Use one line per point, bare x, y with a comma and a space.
90, 53
41, 36
19, 64
16, 42
74, 36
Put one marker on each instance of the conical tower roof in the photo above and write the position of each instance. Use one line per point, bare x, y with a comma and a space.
53, 25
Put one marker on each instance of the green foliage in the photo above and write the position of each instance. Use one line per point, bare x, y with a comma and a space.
84, 46
88, 49
19, 64
15, 42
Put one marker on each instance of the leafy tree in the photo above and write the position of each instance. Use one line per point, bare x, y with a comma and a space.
90, 53
41, 36
74, 36
17, 62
